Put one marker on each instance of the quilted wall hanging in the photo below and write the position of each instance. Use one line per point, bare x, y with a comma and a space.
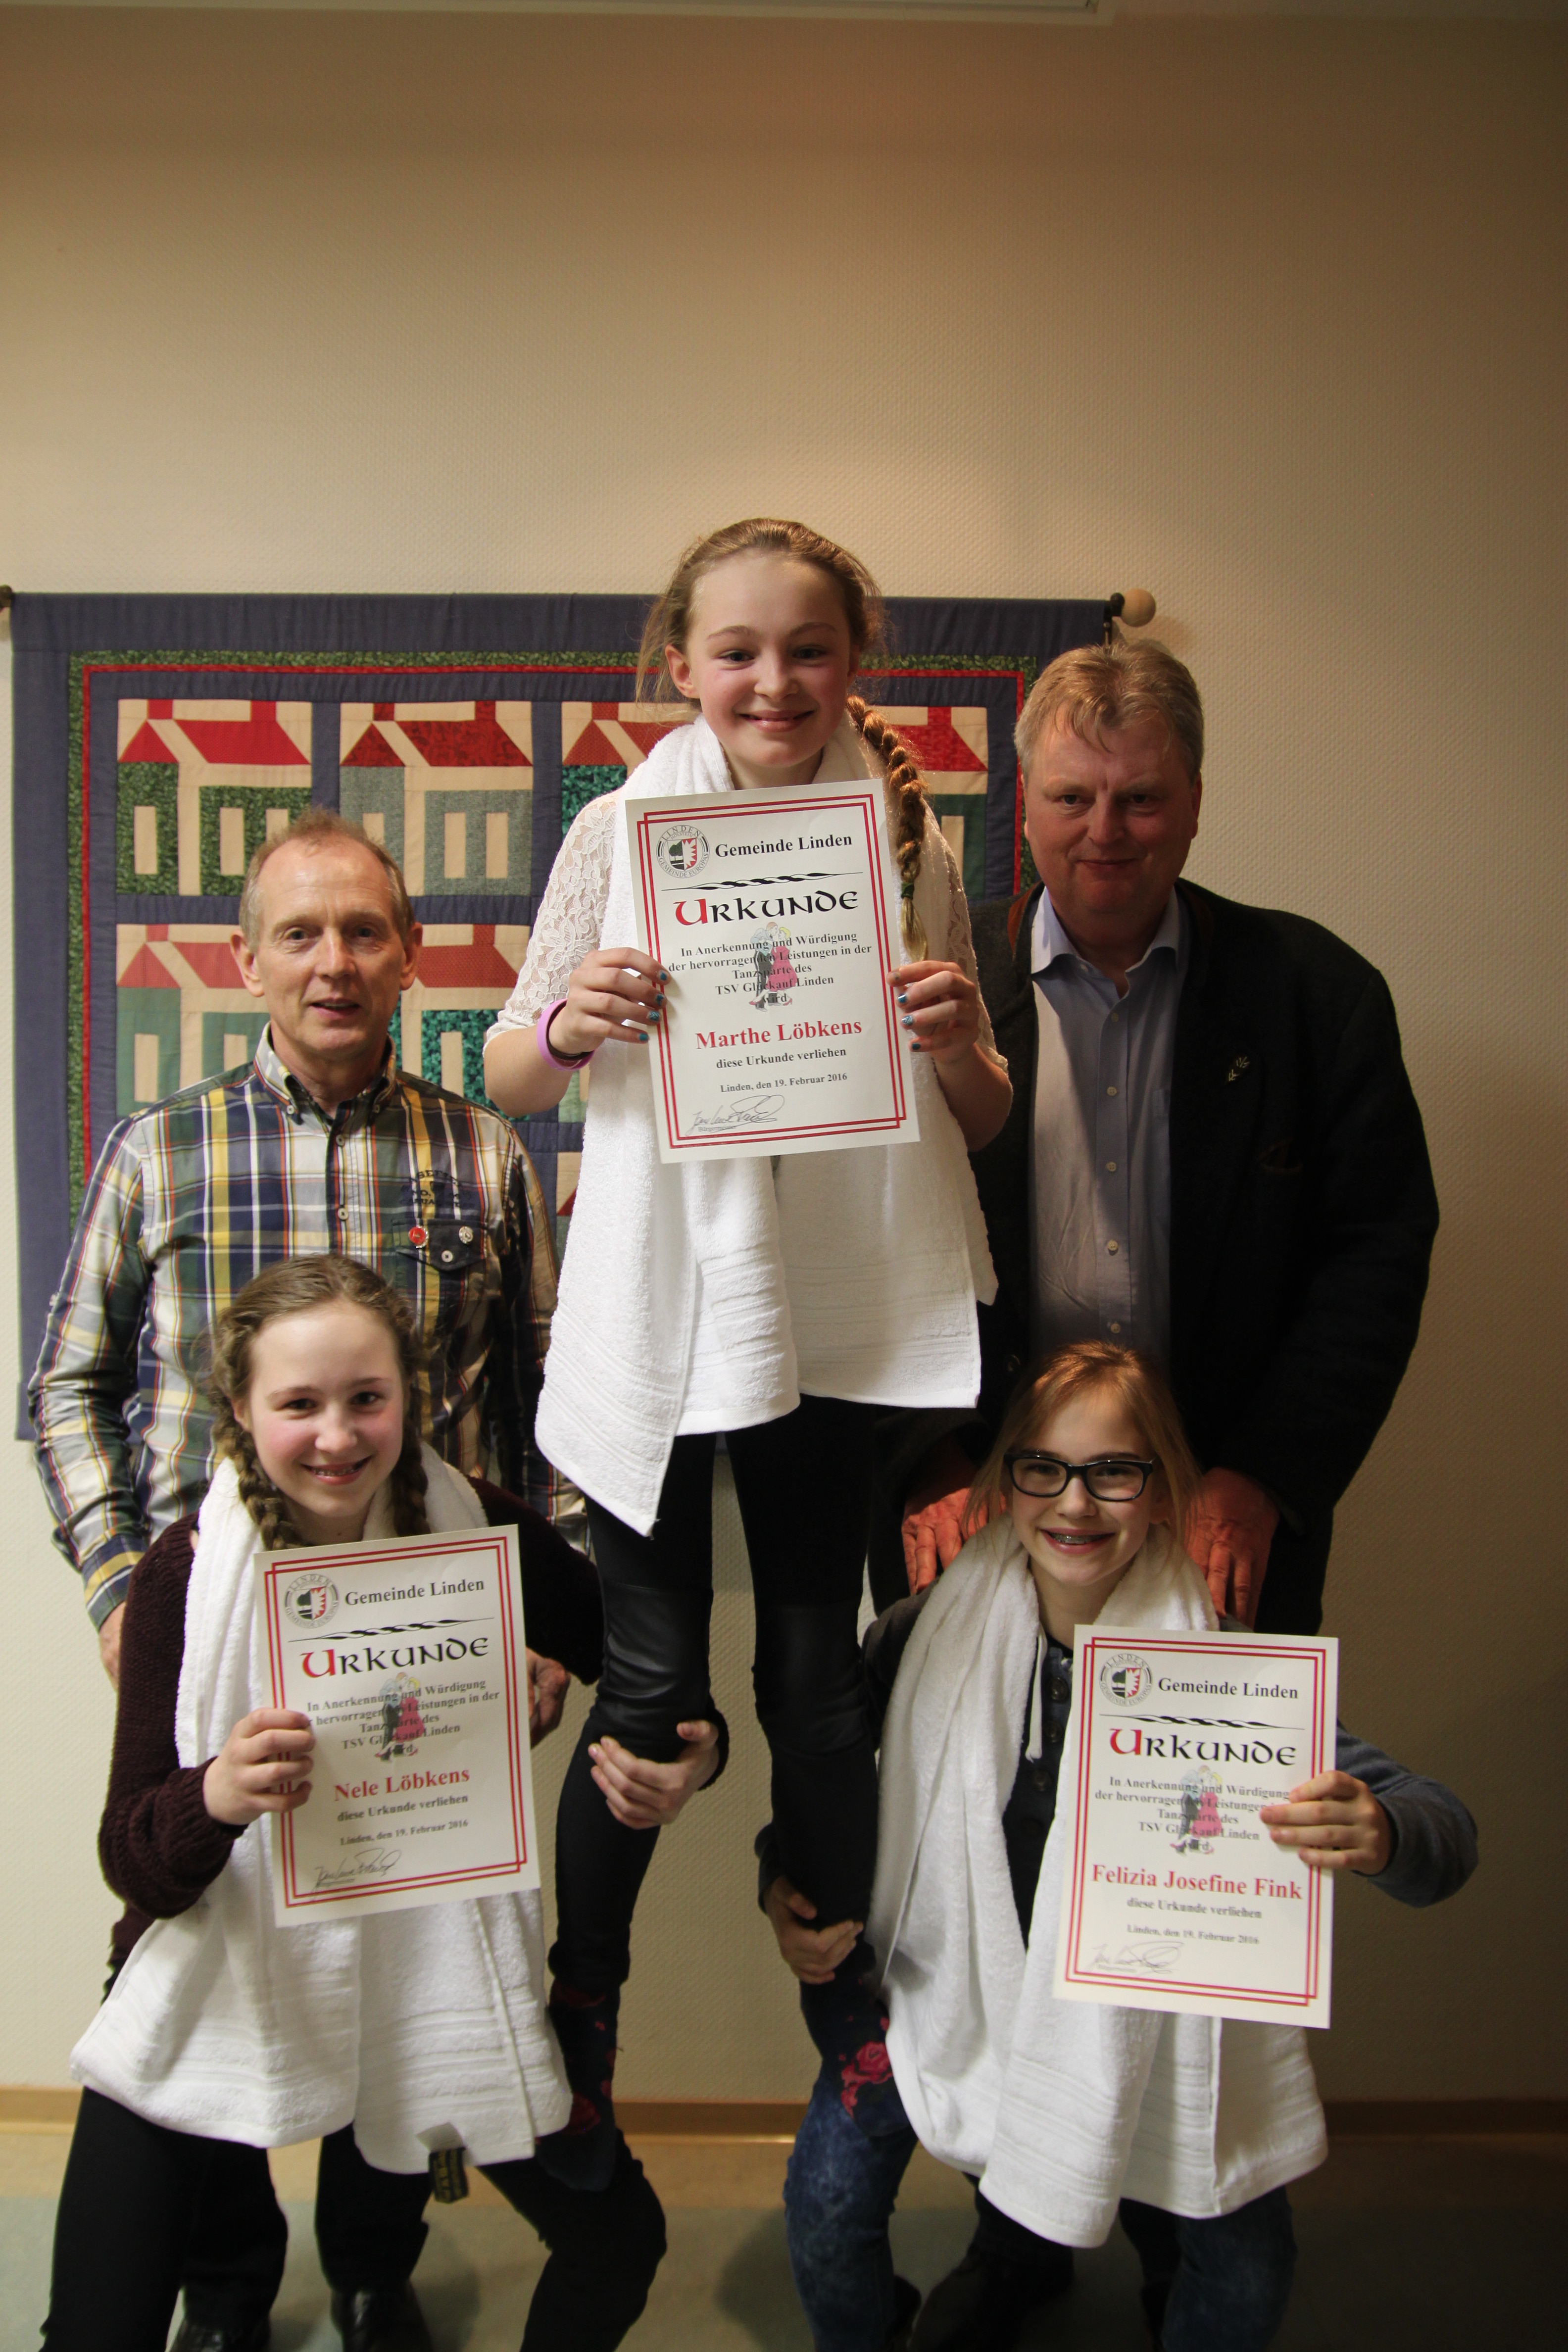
158, 739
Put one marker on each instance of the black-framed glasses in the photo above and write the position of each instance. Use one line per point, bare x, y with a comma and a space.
1114, 1479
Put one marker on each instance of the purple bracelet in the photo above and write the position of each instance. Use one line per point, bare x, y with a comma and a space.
542, 1038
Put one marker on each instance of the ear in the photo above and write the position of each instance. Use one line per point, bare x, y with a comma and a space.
240, 1408
1160, 1515
245, 956
411, 947
680, 670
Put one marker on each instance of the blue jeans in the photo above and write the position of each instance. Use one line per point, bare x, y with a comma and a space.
1224, 2282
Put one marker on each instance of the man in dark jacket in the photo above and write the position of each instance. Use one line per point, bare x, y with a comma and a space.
1213, 1152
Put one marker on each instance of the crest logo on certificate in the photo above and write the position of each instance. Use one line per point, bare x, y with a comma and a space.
1177, 1897
409, 1658
775, 916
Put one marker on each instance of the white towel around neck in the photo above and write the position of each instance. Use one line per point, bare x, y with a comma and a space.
1061, 2108
423, 2028
853, 1274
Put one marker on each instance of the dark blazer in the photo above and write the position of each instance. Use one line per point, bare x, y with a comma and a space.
1302, 1209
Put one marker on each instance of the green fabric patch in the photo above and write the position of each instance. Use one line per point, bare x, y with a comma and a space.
471, 1025
253, 802
374, 792
581, 785
148, 1018
970, 807
153, 785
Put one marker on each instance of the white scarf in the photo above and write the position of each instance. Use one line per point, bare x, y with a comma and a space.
851, 1274
423, 2028
1061, 2108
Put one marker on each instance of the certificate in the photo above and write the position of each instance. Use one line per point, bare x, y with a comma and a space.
1177, 1897
409, 1658
775, 916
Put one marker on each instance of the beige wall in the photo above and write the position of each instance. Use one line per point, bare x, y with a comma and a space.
1268, 317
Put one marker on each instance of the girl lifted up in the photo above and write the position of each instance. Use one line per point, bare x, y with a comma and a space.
781, 1304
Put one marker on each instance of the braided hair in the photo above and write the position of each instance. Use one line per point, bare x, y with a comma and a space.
909, 836
670, 623
296, 1285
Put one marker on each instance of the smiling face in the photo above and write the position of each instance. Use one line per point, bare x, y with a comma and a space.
770, 658
1111, 824
324, 1409
1079, 1549
330, 963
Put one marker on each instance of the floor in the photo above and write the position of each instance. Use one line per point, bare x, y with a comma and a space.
1424, 2245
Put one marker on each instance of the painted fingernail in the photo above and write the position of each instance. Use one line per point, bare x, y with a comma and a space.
908, 1021
642, 1036
902, 994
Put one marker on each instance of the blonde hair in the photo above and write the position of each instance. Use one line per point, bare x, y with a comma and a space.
1099, 688
313, 826
296, 1285
1093, 1368
669, 624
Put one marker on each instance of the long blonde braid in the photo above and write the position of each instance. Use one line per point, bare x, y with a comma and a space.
904, 777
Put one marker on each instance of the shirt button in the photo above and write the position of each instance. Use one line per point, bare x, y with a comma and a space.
1115, 1327
343, 1216
464, 1233
1113, 1247
1110, 1167
1116, 1016
1110, 1090
446, 1257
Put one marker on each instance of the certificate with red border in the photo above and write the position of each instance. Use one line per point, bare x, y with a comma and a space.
409, 1658
775, 915
1177, 1897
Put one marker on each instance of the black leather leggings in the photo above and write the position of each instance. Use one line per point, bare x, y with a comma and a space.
804, 1484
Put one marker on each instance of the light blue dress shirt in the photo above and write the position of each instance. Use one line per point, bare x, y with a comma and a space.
1102, 1168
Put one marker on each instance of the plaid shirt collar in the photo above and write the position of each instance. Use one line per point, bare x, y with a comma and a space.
300, 1103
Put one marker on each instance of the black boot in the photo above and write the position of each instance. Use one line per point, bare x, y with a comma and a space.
906, 2309
581, 2155
981, 2305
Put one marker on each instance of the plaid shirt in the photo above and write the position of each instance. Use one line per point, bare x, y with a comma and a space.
193, 1198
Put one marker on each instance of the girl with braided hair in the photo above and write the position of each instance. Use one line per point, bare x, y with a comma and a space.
391, 2037
782, 1304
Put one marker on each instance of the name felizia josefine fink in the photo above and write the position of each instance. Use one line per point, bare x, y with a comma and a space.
1118, 1874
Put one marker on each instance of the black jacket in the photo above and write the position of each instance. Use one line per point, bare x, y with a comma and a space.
1302, 1209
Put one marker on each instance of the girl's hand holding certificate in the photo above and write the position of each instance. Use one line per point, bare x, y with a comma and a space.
614, 998
263, 1767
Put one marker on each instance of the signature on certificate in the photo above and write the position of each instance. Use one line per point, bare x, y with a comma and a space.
380, 1862
1153, 1960
756, 1110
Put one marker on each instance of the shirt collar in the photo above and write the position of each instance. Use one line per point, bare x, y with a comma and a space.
298, 1100
1049, 942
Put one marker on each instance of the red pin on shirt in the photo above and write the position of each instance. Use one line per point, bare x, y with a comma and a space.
418, 1236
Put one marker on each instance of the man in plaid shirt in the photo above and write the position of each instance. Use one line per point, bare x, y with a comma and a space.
322, 1144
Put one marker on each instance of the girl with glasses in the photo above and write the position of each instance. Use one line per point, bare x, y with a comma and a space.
1074, 1518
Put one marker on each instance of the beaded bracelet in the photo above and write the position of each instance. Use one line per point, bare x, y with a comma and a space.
542, 1036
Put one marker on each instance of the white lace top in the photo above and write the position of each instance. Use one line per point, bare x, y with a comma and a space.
570, 926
